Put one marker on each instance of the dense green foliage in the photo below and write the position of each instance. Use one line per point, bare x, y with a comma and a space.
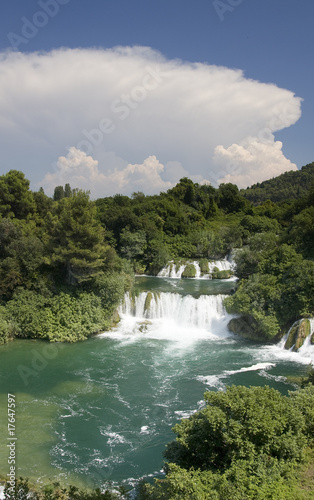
65, 261
59, 279
22, 490
247, 443
287, 186
189, 221
276, 287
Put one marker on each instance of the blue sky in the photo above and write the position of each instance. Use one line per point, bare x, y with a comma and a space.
206, 121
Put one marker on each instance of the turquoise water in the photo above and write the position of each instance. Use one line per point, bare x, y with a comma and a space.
103, 409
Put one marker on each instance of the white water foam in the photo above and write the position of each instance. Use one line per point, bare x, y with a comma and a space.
114, 438
171, 316
144, 430
212, 381
258, 366
216, 380
273, 353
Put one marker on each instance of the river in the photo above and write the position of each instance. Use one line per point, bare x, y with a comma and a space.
103, 409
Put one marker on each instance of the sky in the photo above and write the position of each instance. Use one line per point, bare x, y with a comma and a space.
120, 96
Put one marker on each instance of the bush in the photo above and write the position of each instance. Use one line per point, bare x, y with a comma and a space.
222, 275
245, 445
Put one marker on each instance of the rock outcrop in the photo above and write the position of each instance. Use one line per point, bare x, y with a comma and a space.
297, 334
247, 327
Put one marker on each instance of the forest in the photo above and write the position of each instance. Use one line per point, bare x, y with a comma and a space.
66, 262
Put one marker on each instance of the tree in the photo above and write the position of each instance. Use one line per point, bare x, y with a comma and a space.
16, 198
229, 198
132, 244
239, 424
21, 258
77, 243
43, 204
245, 444
67, 191
58, 193
184, 191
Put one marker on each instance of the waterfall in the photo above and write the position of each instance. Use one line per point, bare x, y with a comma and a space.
184, 311
306, 350
171, 270
308, 347
222, 265
197, 269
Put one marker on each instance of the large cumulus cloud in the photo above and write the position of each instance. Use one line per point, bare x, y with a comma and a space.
131, 106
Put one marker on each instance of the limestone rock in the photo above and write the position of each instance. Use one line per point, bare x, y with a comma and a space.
297, 334
247, 327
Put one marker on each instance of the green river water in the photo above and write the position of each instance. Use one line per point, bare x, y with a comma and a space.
103, 409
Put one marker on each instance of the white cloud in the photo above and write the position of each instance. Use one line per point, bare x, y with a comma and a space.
80, 170
123, 105
250, 162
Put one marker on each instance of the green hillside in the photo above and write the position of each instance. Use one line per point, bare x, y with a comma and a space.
291, 185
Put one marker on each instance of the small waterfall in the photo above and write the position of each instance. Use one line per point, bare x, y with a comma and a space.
308, 346
197, 269
170, 271
183, 311
307, 349
222, 265
175, 271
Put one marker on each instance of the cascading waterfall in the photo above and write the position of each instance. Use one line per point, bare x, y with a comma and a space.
173, 315
308, 346
171, 270
197, 269
185, 310
304, 354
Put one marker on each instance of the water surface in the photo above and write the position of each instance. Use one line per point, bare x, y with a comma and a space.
103, 409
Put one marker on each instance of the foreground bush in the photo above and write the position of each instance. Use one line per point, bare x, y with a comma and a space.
246, 444
23, 491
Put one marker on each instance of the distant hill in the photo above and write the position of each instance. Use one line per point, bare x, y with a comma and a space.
288, 186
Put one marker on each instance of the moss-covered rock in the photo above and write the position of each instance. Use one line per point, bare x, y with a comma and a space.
303, 332
178, 264
148, 300
203, 263
292, 336
189, 271
144, 326
222, 275
297, 334
246, 327
115, 320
